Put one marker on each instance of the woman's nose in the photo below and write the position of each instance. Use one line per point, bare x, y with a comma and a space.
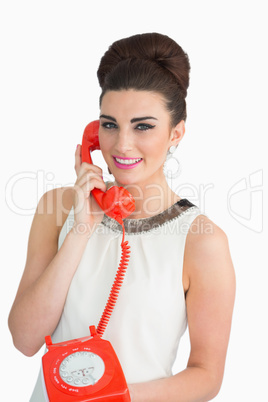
124, 142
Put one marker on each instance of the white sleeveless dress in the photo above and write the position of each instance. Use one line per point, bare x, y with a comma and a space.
150, 314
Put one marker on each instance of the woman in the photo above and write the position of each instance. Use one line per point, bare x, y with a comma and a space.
180, 264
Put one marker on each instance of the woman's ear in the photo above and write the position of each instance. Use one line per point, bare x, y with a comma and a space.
177, 133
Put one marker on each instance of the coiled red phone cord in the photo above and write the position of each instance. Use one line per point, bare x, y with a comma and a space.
119, 278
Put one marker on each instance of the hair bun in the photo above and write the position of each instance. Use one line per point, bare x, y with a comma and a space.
148, 62
153, 47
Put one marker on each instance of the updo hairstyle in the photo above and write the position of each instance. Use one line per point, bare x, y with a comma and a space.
148, 62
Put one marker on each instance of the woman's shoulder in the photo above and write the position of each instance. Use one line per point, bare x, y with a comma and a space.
205, 236
206, 247
56, 203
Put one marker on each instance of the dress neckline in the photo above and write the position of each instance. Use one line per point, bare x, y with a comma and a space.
136, 226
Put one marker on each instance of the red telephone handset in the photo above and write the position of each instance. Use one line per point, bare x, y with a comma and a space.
117, 202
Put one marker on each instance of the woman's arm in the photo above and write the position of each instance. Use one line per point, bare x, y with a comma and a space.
48, 272
209, 299
47, 275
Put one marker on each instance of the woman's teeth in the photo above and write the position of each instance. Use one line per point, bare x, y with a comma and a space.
127, 161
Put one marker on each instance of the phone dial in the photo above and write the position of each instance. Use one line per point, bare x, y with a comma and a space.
87, 369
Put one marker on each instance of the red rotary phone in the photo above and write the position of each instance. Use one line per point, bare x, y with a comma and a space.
87, 369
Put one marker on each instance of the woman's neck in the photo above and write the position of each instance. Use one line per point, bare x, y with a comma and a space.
150, 199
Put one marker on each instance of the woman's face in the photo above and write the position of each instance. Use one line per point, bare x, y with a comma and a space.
135, 135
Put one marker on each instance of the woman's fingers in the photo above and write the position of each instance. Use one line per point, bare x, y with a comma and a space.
78, 160
90, 180
82, 167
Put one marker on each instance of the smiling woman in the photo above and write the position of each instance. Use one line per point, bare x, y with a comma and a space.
180, 270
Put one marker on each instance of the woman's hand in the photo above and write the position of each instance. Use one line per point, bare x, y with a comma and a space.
87, 213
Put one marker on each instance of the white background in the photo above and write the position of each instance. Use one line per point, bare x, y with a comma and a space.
50, 51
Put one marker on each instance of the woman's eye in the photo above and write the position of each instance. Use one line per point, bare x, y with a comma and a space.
109, 125
144, 127
140, 127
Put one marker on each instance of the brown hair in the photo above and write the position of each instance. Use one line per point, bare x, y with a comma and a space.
150, 62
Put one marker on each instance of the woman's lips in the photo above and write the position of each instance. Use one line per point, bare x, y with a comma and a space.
126, 163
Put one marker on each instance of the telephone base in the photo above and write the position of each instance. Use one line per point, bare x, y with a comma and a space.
85, 369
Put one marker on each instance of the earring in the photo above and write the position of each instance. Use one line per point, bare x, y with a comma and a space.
172, 149
172, 167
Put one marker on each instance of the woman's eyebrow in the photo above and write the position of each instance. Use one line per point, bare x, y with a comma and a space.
105, 116
142, 118
134, 120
